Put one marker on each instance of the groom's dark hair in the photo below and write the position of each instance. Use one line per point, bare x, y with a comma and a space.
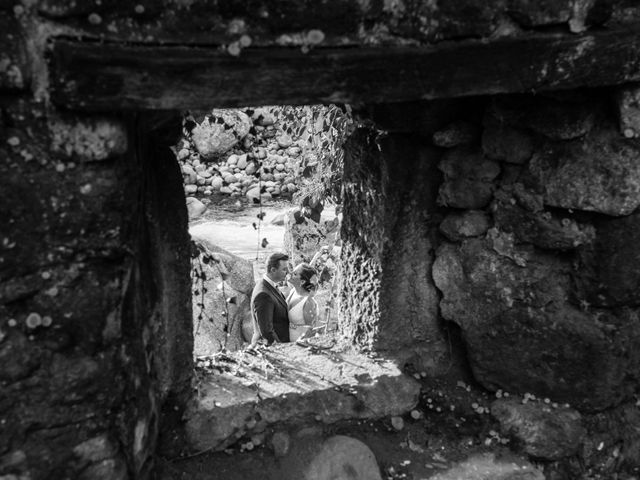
274, 260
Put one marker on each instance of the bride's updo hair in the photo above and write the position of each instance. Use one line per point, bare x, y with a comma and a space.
308, 276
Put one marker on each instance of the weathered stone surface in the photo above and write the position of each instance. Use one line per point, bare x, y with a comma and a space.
531, 13
222, 284
195, 207
628, 102
540, 228
471, 223
468, 178
336, 457
608, 273
507, 144
559, 117
455, 134
18, 356
88, 139
14, 67
614, 433
599, 173
522, 334
543, 431
327, 387
219, 132
487, 466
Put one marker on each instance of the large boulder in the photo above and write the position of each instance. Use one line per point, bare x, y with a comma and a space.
598, 173
219, 132
222, 285
543, 430
523, 334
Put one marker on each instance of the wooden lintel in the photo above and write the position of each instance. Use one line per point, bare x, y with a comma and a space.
88, 76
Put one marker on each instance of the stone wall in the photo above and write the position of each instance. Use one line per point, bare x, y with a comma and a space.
93, 283
536, 256
95, 320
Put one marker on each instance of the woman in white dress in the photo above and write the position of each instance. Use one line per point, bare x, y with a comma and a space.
303, 309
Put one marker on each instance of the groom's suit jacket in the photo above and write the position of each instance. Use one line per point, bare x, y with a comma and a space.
269, 314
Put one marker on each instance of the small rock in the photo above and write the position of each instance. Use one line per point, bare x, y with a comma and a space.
280, 442
342, 457
183, 154
242, 161
250, 169
544, 432
470, 223
216, 183
195, 207
397, 423
284, 141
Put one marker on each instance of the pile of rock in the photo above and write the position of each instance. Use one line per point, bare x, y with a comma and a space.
232, 153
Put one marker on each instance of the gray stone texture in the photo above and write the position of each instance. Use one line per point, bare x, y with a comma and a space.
512, 213
489, 466
544, 431
222, 311
558, 117
289, 384
455, 134
15, 72
388, 298
468, 178
506, 144
219, 132
599, 173
628, 103
460, 225
339, 456
608, 271
521, 332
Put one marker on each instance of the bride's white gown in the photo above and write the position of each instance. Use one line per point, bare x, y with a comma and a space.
297, 327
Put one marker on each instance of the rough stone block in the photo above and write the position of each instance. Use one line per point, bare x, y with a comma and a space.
544, 431
559, 117
608, 272
489, 466
220, 131
14, 67
534, 13
598, 173
468, 178
88, 139
523, 334
542, 229
472, 223
506, 144
293, 383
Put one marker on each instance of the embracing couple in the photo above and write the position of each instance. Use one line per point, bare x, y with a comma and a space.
279, 319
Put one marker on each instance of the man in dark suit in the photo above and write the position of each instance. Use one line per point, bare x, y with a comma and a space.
268, 306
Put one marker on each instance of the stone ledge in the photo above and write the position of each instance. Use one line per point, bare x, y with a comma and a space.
293, 383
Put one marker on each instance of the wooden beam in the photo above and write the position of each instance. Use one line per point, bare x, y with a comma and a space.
94, 76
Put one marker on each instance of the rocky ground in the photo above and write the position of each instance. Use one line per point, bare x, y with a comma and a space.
453, 433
